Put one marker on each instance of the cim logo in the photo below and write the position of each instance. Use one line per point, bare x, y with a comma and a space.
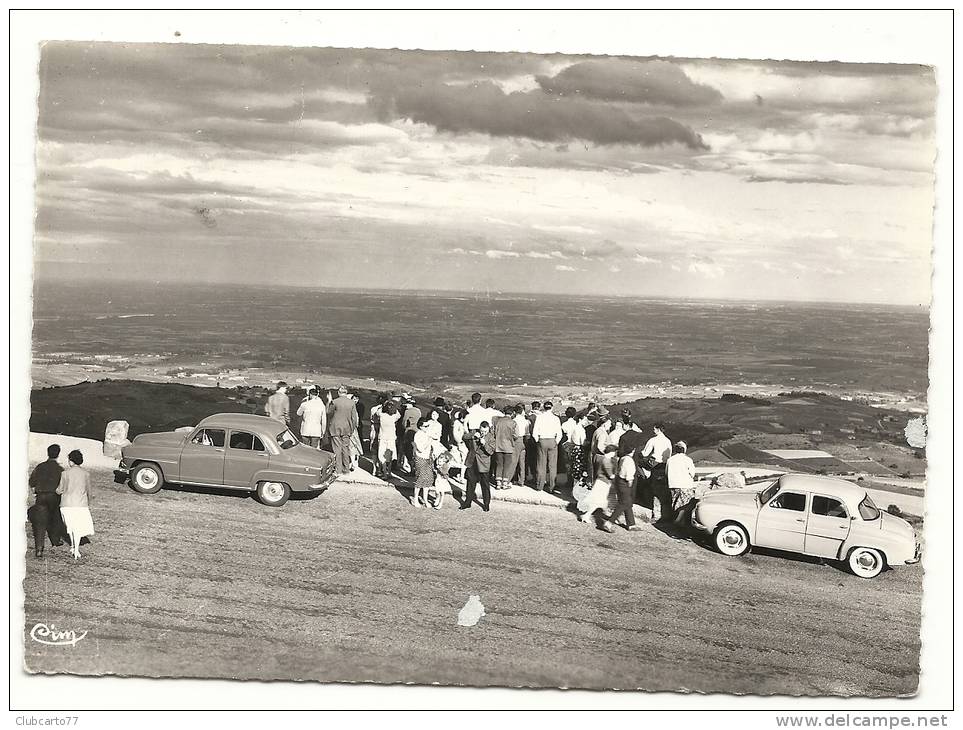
51, 636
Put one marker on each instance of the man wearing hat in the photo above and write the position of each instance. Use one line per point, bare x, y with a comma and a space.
343, 417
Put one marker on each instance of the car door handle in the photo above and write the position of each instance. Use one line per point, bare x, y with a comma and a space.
844, 527
800, 520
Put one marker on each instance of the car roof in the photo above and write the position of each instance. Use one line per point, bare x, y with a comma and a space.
847, 491
242, 420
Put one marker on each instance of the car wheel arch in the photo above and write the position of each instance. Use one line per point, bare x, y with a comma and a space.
138, 462
847, 553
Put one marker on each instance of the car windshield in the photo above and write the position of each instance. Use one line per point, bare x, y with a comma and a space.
286, 439
868, 510
766, 494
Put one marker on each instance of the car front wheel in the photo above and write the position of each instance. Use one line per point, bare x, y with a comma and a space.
273, 494
732, 539
147, 479
866, 562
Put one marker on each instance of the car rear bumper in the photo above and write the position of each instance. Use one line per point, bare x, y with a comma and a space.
327, 477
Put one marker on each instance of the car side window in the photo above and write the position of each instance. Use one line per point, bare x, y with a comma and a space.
828, 507
792, 501
209, 437
246, 441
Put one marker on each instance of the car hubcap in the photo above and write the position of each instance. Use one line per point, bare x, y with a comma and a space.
732, 539
273, 491
147, 479
866, 561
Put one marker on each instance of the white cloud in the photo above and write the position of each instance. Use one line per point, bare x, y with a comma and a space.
578, 230
498, 254
707, 268
614, 269
642, 259
563, 267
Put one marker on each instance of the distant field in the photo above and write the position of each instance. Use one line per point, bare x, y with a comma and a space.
493, 339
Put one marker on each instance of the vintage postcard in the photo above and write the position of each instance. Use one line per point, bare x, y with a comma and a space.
479, 369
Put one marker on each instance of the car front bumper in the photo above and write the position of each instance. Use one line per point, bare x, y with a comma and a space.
917, 555
694, 521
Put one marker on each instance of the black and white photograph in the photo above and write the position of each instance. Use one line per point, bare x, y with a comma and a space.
482, 368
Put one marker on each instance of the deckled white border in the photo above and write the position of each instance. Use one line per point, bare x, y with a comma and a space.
877, 36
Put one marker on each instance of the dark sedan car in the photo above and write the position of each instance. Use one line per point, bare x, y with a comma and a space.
230, 450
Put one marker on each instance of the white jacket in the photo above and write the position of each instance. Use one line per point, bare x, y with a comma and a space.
314, 417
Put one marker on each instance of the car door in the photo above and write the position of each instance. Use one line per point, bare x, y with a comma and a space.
246, 455
828, 526
781, 523
202, 458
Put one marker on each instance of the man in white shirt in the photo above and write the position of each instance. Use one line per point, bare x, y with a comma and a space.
547, 433
624, 485
574, 432
492, 413
524, 429
314, 418
476, 413
659, 448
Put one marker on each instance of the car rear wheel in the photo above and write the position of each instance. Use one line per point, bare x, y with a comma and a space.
866, 562
147, 478
273, 494
731, 539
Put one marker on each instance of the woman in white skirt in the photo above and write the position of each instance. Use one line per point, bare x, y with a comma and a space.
596, 498
75, 496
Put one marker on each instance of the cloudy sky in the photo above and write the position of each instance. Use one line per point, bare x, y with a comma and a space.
486, 172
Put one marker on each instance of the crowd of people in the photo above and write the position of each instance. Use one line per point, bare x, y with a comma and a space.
478, 447
607, 462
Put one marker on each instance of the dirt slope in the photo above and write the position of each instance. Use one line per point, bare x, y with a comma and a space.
357, 586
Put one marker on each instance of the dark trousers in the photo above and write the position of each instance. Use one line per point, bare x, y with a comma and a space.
45, 518
341, 446
656, 487
626, 494
313, 441
473, 477
547, 460
531, 458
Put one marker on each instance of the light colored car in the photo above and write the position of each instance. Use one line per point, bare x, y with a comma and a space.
812, 515
229, 450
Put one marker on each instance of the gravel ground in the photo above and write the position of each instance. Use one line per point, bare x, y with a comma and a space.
358, 586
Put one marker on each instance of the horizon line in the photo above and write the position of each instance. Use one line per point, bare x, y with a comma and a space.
472, 292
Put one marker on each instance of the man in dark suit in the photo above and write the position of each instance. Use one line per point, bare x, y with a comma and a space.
45, 515
444, 418
342, 422
481, 446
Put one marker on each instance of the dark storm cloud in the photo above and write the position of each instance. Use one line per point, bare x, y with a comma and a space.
484, 107
648, 82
